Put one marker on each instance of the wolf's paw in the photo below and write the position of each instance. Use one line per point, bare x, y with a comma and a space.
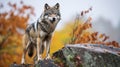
40, 59
48, 57
23, 61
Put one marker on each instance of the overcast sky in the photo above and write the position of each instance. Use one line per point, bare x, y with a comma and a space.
108, 9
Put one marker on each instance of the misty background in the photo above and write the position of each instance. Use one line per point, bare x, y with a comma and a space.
105, 13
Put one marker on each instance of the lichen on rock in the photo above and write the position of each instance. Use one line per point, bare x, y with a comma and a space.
88, 56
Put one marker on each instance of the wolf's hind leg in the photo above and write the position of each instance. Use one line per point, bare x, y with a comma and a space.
24, 53
42, 49
26, 44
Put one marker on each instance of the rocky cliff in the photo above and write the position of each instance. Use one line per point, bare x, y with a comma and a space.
87, 56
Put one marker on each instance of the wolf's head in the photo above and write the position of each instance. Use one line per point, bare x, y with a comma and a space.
51, 14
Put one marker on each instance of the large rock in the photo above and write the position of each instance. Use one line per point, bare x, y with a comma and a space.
42, 63
87, 56
45, 63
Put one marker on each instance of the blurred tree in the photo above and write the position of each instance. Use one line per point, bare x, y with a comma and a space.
12, 24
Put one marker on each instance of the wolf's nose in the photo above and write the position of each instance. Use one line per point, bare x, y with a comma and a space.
53, 19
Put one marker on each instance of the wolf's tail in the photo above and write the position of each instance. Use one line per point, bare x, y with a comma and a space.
31, 50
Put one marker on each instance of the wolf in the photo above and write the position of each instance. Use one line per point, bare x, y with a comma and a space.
38, 35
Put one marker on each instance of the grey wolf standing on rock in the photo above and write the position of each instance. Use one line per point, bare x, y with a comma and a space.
38, 35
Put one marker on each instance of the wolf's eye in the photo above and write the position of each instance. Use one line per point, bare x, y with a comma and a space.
55, 13
58, 17
46, 14
58, 14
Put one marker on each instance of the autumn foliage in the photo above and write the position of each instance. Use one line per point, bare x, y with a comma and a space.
82, 33
12, 24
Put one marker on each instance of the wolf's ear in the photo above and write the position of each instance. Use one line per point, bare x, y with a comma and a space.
57, 6
46, 7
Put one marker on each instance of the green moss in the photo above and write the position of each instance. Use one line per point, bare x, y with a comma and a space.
89, 60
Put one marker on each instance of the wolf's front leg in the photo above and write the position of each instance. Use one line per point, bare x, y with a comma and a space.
48, 42
39, 44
